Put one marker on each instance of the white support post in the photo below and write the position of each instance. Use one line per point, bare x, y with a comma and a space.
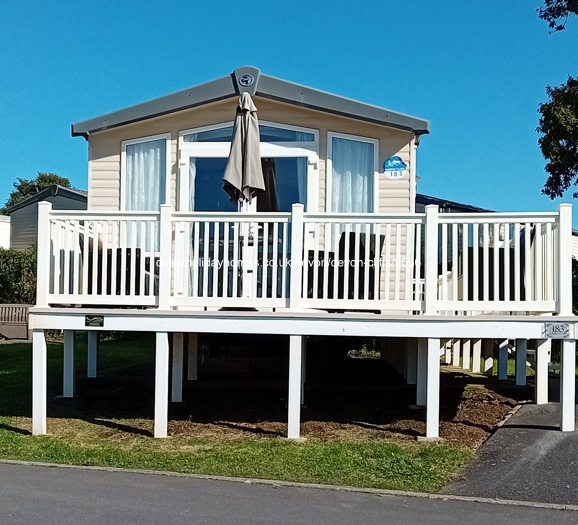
448, 351
43, 254
457, 351
296, 256
193, 356
161, 385
488, 356
92, 354
39, 359
503, 359
521, 356
568, 386
303, 368
411, 361
177, 384
476, 356
433, 389
565, 260
294, 399
542, 361
165, 266
68, 372
431, 259
466, 354
422, 359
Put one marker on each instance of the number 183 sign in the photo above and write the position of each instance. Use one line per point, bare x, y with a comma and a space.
558, 331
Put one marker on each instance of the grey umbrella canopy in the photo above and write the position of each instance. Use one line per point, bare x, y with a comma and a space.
243, 178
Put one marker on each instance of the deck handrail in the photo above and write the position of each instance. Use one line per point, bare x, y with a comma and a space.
428, 262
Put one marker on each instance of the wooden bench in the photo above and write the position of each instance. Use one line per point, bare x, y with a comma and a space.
14, 321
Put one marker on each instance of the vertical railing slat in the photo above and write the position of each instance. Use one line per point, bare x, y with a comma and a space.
486, 262
377, 262
549, 274
444, 291
133, 251
538, 264
196, 261
387, 261
507, 263
123, 256
455, 262
226, 257
206, 255
517, 262
396, 262
496, 248
476, 262
76, 261
114, 245
356, 265
528, 266
465, 262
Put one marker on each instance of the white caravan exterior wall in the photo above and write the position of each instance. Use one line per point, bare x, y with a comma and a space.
394, 196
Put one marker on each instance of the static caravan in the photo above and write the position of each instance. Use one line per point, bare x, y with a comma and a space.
322, 237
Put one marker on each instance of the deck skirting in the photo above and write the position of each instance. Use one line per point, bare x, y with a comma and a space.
301, 323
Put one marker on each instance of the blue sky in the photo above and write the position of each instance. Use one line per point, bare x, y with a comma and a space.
477, 71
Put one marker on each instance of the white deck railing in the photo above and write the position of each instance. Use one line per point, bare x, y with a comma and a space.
414, 263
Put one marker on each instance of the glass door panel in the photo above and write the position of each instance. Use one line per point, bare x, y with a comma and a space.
206, 185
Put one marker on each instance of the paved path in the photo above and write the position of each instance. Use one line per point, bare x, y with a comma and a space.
527, 459
32, 494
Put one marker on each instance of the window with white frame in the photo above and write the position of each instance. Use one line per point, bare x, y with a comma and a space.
353, 173
289, 160
145, 166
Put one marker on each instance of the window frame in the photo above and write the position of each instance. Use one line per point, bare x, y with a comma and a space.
308, 149
329, 168
167, 138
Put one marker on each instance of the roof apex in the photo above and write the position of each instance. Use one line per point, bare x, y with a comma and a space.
250, 79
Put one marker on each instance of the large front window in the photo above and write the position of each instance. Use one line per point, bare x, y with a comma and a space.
353, 169
288, 158
145, 173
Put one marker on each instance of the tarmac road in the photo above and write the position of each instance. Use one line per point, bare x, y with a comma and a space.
528, 458
43, 495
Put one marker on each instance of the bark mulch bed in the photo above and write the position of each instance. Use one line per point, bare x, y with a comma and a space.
366, 403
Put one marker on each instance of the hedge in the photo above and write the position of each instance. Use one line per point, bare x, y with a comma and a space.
18, 276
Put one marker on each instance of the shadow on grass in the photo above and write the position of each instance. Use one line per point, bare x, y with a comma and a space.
251, 430
390, 429
17, 430
119, 426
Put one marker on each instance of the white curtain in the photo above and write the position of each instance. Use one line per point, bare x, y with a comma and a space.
145, 175
352, 176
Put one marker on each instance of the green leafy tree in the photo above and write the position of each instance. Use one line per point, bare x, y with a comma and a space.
557, 12
558, 122
559, 140
25, 188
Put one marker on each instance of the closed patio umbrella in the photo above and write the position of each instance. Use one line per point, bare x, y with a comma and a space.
243, 178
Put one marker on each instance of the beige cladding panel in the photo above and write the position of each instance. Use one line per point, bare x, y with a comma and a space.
105, 147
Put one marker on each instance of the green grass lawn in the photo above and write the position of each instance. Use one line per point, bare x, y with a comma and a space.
81, 432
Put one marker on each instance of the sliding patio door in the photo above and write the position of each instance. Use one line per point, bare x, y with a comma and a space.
290, 176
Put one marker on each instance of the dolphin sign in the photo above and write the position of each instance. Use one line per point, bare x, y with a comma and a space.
394, 167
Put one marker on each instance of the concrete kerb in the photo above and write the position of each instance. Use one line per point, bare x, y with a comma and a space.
318, 486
